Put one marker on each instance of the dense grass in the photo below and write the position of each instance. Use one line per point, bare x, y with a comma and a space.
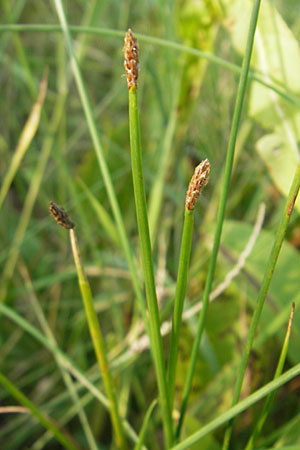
78, 155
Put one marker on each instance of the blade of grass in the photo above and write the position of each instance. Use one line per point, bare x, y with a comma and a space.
103, 216
25, 139
267, 406
155, 41
29, 202
143, 431
221, 210
163, 167
65, 374
270, 267
240, 407
145, 244
100, 157
66, 361
21, 398
99, 345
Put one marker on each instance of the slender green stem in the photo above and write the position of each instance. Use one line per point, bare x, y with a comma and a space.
101, 159
270, 398
270, 267
179, 298
18, 395
144, 428
237, 409
99, 345
143, 229
221, 211
151, 40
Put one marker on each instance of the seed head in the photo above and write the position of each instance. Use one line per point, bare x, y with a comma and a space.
61, 216
198, 181
131, 59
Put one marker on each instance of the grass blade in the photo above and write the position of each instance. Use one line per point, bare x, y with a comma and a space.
270, 398
238, 408
25, 139
18, 395
221, 211
253, 75
143, 431
289, 204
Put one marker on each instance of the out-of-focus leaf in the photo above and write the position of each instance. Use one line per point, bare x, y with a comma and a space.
276, 55
280, 160
284, 286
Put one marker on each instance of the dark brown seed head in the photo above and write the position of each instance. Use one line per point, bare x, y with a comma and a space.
131, 59
60, 216
198, 181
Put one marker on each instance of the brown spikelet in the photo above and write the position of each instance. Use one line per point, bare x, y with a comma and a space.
61, 216
131, 59
198, 181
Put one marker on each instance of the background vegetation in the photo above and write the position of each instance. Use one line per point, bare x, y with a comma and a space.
186, 106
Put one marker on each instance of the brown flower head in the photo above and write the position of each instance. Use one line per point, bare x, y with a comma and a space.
198, 181
61, 216
131, 59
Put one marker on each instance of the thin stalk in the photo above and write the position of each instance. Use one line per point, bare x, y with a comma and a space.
270, 267
100, 157
184, 259
144, 428
47, 423
270, 398
47, 28
221, 211
240, 407
147, 263
99, 345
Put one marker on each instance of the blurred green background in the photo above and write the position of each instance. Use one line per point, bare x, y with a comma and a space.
186, 104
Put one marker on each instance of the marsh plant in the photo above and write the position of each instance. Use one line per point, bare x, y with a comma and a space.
132, 397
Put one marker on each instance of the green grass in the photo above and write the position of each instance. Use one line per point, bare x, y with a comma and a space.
112, 168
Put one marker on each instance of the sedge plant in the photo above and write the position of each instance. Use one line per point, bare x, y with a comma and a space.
198, 181
64, 220
131, 67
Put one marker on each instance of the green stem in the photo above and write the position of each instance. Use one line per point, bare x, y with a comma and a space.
21, 398
221, 211
263, 292
270, 398
237, 409
179, 298
143, 229
101, 159
99, 345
